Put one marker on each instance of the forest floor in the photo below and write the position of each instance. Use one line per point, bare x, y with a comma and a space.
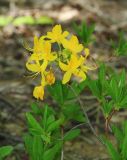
110, 16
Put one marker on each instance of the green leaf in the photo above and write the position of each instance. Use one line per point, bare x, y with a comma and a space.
35, 108
55, 125
107, 107
56, 91
112, 151
84, 32
122, 81
120, 48
46, 138
50, 120
45, 116
34, 125
5, 20
94, 87
29, 144
52, 152
102, 73
37, 148
75, 89
124, 147
5, 151
23, 20
70, 112
118, 133
44, 20
71, 134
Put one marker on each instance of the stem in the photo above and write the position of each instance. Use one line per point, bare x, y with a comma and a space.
85, 113
60, 50
107, 121
106, 127
62, 150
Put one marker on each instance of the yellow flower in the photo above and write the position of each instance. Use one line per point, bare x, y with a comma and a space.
47, 55
36, 66
71, 68
38, 92
87, 52
50, 78
33, 64
38, 44
73, 45
56, 35
85, 68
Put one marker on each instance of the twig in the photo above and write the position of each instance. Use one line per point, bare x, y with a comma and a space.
87, 118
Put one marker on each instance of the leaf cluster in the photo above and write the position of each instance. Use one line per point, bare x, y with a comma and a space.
85, 32
120, 47
66, 96
44, 139
110, 90
118, 152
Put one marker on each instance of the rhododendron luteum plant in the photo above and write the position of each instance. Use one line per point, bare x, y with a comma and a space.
70, 56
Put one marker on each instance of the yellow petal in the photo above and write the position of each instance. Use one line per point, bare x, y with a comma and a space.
36, 40
66, 77
49, 34
63, 66
79, 48
74, 39
52, 56
86, 68
57, 29
80, 74
38, 92
47, 47
87, 52
65, 33
33, 67
36, 56
38, 44
66, 43
44, 66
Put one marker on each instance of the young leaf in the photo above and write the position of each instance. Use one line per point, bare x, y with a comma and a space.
37, 148
107, 107
50, 154
5, 151
124, 148
34, 125
120, 47
75, 89
71, 134
70, 112
56, 91
55, 125
35, 108
84, 32
112, 151
119, 135
29, 144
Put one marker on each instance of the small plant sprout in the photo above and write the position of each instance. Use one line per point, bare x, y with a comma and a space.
84, 32
120, 47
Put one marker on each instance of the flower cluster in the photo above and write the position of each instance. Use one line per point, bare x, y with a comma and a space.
70, 56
